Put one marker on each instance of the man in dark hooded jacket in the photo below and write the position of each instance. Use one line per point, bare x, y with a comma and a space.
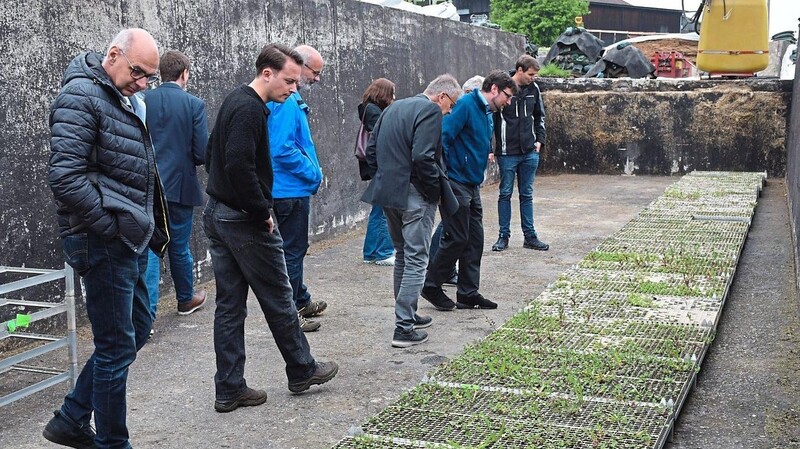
519, 134
110, 209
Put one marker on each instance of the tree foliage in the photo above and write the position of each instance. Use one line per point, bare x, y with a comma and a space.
542, 21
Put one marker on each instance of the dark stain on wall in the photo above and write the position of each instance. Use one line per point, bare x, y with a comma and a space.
360, 42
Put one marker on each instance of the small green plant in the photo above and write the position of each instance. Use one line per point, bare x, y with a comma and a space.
554, 71
637, 300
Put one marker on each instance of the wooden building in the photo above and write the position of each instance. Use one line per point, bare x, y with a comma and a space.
615, 20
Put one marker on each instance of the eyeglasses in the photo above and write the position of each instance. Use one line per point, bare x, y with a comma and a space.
449, 98
315, 72
508, 95
137, 73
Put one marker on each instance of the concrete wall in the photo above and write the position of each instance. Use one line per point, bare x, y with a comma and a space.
360, 42
793, 173
665, 127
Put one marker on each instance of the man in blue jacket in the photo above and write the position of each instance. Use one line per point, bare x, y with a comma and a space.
178, 126
519, 137
297, 176
466, 140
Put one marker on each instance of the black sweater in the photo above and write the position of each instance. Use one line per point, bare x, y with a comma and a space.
237, 159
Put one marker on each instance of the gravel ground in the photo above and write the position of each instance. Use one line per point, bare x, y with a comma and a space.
745, 396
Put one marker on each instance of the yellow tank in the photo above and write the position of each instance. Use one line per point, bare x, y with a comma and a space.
733, 36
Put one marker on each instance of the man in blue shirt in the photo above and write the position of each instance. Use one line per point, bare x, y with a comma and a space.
297, 176
466, 141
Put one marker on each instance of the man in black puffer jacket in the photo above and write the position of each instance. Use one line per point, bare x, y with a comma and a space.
519, 134
110, 209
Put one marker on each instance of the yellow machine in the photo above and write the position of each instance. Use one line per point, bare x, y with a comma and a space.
733, 36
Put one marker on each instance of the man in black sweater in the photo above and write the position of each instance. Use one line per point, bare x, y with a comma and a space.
246, 248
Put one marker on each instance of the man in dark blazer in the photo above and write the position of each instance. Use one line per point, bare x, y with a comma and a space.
179, 129
404, 159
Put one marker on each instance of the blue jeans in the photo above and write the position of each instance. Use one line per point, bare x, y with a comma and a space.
118, 310
291, 218
181, 263
377, 243
410, 229
245, 255
523, 167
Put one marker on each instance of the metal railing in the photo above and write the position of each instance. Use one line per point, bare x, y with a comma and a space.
42, 311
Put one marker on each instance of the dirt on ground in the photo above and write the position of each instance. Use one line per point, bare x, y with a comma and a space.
745, 398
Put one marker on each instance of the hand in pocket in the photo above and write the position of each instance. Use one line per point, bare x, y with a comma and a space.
76, 252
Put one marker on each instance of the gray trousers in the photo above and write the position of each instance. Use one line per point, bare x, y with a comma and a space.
410, 230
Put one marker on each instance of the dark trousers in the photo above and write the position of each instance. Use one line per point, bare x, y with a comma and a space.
291, 215
462, 241
246, 255
119, 310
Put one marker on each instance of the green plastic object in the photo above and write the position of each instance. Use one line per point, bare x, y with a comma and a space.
22, 320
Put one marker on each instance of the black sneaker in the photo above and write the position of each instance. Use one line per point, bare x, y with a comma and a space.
421, 322
405, 339
500, 244
476, 301
437, 297
535, 243
247, 398
453, 279
66, 432
325, 371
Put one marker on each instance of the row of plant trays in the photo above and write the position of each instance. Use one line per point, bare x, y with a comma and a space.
590, 306
606, 356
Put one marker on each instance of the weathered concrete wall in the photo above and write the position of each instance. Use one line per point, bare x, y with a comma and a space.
360, 42
793, 172
665, 127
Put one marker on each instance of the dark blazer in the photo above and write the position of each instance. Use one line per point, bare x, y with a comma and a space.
179, 129
405, 149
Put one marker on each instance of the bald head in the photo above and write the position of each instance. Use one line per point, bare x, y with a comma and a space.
132, 60
312, 65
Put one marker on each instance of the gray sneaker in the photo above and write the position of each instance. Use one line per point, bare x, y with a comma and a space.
405, 339
313, 308
308, 325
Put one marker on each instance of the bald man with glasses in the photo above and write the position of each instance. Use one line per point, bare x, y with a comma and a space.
110, 210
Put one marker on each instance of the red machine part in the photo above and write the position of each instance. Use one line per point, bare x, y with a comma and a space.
672, 64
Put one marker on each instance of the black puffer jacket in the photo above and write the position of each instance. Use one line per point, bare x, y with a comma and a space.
521, 124
102, 166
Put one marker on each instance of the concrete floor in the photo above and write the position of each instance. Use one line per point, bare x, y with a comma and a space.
746, 394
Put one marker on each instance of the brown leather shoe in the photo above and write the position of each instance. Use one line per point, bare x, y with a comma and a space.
324, 372
197, 302
247, 398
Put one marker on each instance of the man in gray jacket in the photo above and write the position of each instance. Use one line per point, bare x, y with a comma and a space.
110, 209
404, 159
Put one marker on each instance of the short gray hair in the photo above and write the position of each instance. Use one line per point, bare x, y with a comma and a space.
444, 83
473, 83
